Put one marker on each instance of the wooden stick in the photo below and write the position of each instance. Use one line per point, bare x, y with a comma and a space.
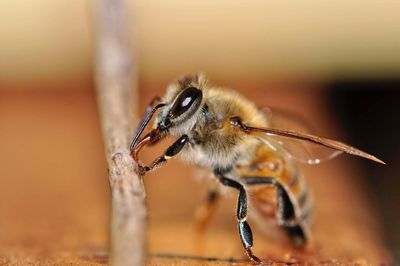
115, 93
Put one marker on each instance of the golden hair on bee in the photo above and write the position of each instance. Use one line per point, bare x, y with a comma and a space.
215, 142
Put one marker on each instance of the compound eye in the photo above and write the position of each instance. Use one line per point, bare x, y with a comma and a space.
185, 100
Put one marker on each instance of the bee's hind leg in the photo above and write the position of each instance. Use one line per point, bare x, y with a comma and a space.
297, 234
244, 228
292, 222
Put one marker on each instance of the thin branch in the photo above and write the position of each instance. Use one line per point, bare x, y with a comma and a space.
115, 91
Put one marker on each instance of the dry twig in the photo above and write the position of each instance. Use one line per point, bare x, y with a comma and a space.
114, 88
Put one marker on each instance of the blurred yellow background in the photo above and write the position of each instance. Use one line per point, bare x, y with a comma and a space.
51, 42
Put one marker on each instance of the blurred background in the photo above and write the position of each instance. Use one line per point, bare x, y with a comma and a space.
335, 63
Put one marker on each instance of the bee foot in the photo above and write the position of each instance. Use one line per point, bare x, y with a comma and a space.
253, 257
142, 170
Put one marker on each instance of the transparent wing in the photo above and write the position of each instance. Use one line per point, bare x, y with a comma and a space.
290, 136
306, 153
302, 151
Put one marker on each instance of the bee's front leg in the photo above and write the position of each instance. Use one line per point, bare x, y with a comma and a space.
170, 152
244, 228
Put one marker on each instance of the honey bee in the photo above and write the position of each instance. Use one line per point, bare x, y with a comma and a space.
222, 131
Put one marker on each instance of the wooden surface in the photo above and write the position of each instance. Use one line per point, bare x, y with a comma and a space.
54, 194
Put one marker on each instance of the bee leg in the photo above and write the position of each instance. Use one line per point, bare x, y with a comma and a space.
205, 211
297, 234
170, 152
292, 223
244, 228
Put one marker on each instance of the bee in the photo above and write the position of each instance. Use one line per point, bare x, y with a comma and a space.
240, 143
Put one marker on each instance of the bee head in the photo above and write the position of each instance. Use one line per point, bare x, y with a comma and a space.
182, 103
